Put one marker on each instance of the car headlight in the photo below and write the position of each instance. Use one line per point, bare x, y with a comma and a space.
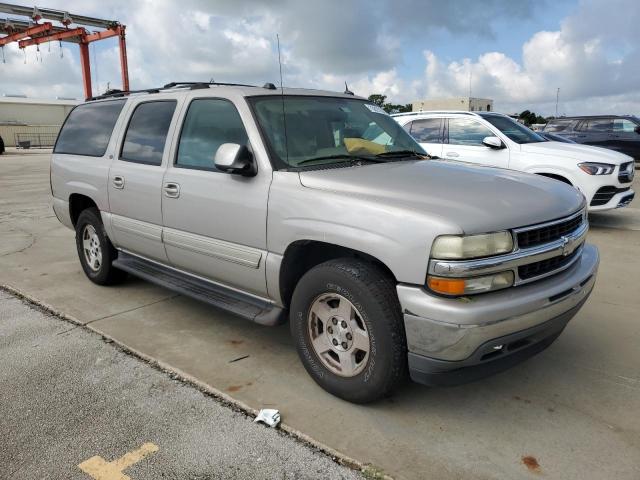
468, 286
593, 168
457, 247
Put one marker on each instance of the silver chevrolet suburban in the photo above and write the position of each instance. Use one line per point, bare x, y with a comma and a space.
318, 208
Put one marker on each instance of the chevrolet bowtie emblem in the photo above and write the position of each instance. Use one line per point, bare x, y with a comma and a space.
566, 248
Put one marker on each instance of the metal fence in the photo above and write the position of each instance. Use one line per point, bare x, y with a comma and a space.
35, 140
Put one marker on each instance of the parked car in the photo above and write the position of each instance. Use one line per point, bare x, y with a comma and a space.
493, 139
616, 132
554, 137
383, 260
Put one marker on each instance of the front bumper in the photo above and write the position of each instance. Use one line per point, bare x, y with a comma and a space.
451, 340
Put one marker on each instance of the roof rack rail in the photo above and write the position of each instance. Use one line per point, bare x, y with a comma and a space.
121, 93
192, 86
200, 84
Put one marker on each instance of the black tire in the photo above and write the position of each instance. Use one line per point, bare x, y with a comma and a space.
106, 273
373, 294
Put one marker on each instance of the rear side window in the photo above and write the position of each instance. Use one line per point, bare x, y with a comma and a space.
427, 130
88, 128
208, 124
557, 125
147, 132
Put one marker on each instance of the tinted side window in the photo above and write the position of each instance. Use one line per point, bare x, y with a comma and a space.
427, 131
208, 124
599, 125
622, 125
557, 125
147, 132
464, 131
88, 128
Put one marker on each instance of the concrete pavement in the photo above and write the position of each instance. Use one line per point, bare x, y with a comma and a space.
72, 405
567, 413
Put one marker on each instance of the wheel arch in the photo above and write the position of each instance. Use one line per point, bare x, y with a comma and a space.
302, 255
77, 203
556, 176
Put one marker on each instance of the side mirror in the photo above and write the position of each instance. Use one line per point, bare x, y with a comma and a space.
638, 129
236, 159
492, 142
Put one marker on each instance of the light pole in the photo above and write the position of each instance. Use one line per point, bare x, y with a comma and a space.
557, 97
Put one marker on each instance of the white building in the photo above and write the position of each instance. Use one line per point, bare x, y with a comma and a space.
469, 104
32, 119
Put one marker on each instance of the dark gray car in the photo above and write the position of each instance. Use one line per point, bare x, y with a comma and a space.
616, 132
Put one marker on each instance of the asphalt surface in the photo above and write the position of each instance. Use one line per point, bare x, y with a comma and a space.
568, 413
66, 396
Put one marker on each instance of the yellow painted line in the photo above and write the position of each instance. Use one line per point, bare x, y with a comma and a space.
98, 468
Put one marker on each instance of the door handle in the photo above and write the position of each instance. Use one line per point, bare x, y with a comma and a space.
118, 182
453, 154
172, 190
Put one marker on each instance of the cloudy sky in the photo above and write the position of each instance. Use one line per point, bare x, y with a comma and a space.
517, 52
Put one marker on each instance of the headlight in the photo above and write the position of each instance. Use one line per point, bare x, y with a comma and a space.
597, 168
468, 286
455, 247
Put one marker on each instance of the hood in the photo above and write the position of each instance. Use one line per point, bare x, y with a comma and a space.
584, 153
477, 199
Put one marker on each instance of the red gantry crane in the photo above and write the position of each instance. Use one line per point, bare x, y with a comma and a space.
37, 30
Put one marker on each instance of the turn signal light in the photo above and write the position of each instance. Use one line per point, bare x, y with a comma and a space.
468, 286
446, 286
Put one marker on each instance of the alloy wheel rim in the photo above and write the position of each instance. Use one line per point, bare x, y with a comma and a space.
91, 247
339, 336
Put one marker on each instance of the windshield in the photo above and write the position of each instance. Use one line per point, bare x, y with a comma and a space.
328, 130
514, 130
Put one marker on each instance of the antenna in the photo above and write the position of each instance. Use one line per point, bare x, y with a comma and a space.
346, 89
284, 116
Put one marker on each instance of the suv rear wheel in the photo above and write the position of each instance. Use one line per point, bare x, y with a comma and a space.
347, 324
95, 249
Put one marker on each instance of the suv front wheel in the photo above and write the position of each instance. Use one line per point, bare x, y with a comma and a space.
347, 323
95, 249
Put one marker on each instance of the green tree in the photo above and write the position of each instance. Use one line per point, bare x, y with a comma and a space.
380, 100
377, 99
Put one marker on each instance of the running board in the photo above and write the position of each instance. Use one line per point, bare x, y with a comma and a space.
242, 305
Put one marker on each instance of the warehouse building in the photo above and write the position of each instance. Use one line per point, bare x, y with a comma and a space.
469, 104
31, 122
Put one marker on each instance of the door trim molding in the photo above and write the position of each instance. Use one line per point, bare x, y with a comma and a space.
231, 252
146, 230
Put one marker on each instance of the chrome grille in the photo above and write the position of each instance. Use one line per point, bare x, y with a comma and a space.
544, 267
548, 233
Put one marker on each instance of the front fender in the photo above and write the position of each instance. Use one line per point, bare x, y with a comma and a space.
396, 236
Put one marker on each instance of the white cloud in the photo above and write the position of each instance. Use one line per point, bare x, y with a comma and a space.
594, 57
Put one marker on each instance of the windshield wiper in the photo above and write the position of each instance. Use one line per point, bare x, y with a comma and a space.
349, 158
401, 153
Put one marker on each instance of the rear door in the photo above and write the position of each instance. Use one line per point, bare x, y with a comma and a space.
215, 222
463, 142
428, 133
135, 178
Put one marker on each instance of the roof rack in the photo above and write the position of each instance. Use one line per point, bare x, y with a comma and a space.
191, 85
437, 112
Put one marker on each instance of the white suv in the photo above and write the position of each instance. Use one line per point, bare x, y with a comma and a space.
493, 139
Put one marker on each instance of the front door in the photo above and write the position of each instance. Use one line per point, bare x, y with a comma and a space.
215, 222
465, 137
625, 137
135, 180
